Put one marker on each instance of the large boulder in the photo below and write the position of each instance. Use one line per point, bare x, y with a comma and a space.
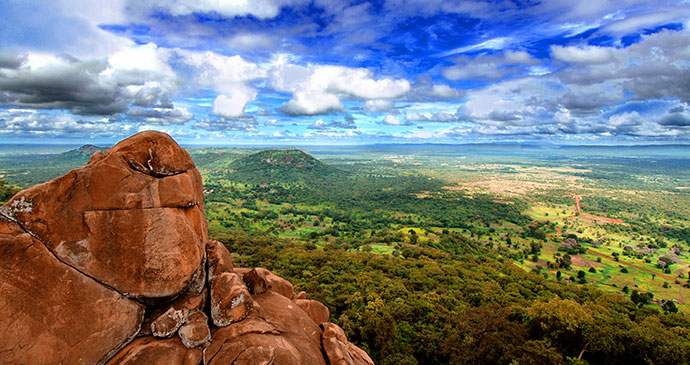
51, 313
111, 263
277, 327
131, 219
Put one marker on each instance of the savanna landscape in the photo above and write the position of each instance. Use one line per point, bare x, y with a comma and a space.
436, 254
351, 182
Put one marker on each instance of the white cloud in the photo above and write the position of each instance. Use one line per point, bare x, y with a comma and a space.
23, 122
656, 67
378, 106
494, 43
250, 41
232, 105
587, 54
391, 120
490, 67
162, 116
424, 89
230, 76
317, 89
635, 23
416, 117
319, 124
91, 86
261, 9
312, 103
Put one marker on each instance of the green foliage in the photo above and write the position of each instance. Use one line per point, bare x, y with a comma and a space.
431, 307
280, 166
32, 169
7, 191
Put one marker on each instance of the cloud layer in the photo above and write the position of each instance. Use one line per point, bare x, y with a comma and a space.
351, 72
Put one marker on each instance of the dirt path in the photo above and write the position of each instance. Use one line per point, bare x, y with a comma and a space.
591, 216
632, 265
579, 213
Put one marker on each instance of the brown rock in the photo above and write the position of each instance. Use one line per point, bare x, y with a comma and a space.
167, 323
255, 282
219, 260
273, 281
230, 299
316, 310
277, 327
339, 350
301, 295
139, 232
99, 264
195, 332
51, 313
186, 304
151, 351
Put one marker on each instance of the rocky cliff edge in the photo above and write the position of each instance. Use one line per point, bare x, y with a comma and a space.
111, 263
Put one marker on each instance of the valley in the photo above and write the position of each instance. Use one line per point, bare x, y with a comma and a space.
408, 245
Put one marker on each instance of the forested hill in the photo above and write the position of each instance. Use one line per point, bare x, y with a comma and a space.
280, 166
83, 152
30, 169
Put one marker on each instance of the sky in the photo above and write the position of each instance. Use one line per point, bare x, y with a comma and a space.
339, 72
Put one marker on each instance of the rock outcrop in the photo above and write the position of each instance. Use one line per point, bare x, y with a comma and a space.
111, 263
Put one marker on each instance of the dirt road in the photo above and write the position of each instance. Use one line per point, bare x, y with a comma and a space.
579, 213
595, 218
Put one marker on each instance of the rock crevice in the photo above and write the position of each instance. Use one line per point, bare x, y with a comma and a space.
111, 263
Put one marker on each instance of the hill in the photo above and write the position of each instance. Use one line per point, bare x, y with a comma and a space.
83, 152
280, 166
32, 169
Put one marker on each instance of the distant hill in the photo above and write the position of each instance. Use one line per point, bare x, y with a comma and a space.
84, 151
28, 170
280, 166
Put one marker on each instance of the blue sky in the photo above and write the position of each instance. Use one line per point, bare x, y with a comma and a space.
346, 72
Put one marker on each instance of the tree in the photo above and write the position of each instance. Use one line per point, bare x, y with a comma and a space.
669, 306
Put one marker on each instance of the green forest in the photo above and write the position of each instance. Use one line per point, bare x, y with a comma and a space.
432, 255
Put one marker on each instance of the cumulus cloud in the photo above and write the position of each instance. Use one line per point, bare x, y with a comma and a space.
378, 106
656, 67
425, 89
393, 120
272, 123
161, 116
230, 76
24, 122
442, 117
490, 67
587, 54
317, 89
221, 124
11, 60
348, 123
676, 117
312, 103
319, 124
261, 9
90, 87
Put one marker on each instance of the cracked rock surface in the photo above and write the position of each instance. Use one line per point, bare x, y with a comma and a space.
111, 263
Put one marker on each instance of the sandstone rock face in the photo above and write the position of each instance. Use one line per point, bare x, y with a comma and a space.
196, 331
50, 312
111, 263
141, 233
316, 310
338, 350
